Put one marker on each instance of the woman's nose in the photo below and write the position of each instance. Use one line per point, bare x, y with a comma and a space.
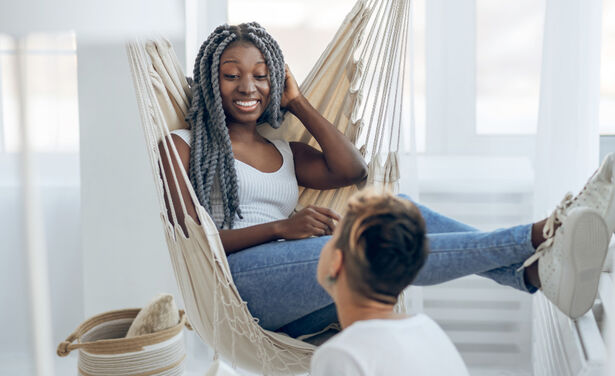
247, 85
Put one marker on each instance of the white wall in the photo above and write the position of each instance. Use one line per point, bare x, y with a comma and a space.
12, 263
58, 177
125, 257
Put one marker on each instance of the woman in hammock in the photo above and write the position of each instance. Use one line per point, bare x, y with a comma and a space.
249, 186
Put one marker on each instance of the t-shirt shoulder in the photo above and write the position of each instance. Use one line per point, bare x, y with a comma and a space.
184, 134
375, 347
335, 361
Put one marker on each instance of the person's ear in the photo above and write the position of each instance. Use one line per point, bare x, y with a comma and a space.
337, 261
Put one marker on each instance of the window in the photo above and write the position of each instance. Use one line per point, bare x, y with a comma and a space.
300, 27
51, 93
508, 58
476, 66
304, 32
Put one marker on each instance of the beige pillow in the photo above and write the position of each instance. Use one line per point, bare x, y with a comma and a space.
161, 313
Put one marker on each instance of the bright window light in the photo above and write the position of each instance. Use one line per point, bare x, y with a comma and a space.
508, 59
304, 31
51, 93
301, 27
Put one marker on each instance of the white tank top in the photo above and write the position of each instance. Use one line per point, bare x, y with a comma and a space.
263, 196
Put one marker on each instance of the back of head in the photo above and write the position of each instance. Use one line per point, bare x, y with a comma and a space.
383, 241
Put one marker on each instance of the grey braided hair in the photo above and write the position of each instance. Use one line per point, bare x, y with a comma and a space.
211, 155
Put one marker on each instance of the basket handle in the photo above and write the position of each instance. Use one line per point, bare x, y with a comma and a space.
66, 346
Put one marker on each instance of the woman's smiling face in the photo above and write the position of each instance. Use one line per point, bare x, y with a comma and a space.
244, 82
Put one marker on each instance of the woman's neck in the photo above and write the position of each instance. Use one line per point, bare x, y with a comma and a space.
242, 132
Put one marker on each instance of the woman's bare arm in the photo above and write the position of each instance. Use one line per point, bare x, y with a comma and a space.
339, 164
311, 221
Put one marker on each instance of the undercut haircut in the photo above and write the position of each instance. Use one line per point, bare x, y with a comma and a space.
382, 238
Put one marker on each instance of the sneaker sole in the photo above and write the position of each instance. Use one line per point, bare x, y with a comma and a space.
588, 238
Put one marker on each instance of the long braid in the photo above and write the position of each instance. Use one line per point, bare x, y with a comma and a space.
211, 155
220, 136
200, 169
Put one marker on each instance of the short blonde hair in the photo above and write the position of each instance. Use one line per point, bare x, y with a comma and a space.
382, 238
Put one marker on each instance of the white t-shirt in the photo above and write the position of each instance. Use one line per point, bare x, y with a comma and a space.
415, 346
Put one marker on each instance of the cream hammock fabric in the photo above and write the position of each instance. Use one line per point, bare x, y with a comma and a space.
357, 84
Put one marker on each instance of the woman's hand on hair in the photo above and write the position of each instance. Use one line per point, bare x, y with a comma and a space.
310, 221
291, 89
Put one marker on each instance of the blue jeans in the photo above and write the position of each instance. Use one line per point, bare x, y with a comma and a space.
278, 279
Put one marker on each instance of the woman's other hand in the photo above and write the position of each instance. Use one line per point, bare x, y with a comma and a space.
291, 89
310, 221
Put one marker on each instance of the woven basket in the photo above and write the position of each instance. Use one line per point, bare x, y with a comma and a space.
103, 350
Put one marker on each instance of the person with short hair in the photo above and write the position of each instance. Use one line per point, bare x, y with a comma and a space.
375, 252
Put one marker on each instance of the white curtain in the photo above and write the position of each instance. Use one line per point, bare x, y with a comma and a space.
568, 135
567, 152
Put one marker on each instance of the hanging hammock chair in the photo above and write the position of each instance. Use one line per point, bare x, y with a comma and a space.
357, 84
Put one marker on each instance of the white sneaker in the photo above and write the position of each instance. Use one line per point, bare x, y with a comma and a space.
598, 194
571, 261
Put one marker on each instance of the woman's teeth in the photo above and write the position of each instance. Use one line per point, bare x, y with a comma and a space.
246, 104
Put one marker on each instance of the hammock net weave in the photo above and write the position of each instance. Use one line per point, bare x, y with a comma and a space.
357, 84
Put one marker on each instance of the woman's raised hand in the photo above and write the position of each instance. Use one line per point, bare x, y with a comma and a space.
310, 221
291, 89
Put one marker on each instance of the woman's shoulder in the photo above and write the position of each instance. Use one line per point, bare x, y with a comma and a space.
184, 134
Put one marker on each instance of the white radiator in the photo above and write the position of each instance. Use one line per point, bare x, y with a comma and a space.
489, 324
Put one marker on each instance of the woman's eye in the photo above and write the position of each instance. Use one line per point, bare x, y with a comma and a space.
260, 76
231, 76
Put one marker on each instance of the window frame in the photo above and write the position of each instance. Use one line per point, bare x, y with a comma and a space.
8, 143
451, 86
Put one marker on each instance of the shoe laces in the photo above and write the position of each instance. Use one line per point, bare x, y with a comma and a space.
548, 231
556, 218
